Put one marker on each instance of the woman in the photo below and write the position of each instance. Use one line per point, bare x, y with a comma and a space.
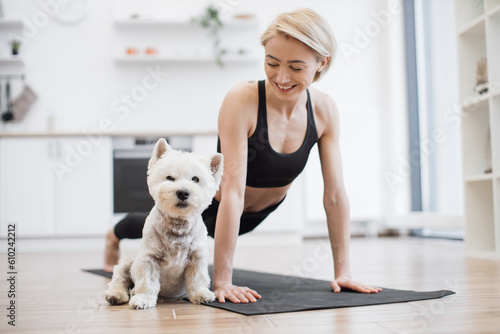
266, 131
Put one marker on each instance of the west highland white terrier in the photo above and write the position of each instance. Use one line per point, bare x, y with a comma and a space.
173, 256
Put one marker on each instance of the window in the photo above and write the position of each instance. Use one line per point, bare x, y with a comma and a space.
433, 97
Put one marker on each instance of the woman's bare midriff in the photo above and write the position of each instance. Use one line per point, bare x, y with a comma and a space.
258, 199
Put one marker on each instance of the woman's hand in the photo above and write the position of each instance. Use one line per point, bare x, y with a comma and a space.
236, 294
347, 283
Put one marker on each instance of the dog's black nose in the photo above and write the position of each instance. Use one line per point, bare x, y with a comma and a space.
182, 194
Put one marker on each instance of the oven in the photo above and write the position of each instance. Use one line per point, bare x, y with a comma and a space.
130, 164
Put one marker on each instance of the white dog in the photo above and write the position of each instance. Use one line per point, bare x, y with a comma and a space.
173, 256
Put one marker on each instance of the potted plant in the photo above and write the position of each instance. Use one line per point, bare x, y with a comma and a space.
14, 45
210, 20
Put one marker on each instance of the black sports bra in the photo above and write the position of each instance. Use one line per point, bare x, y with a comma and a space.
267, 168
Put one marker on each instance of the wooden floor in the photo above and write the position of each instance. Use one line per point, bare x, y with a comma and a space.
53, 295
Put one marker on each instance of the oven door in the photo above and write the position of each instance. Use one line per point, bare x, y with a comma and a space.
129, 181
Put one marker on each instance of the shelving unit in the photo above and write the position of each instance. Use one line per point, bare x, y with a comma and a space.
180, 59
478, 32
11, 60
192, 46
135, 23
11, 23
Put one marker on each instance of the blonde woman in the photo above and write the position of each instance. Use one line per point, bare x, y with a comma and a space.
266, 131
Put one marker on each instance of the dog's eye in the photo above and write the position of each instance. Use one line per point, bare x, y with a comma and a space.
170, 178
195, 179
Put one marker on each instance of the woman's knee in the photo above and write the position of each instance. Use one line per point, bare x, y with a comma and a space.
131, 226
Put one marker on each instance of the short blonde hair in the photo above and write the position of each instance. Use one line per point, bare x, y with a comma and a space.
310, 28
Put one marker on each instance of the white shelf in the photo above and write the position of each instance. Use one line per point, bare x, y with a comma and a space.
479, 177
190, 47
474, 27
180, 59
494, 12
11, 60
477, 102
11, 23
155, 23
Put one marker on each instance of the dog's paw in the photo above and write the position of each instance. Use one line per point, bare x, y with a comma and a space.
116, 297
201, 295
142, 301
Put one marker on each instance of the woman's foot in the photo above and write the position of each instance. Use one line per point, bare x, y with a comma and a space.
112, 251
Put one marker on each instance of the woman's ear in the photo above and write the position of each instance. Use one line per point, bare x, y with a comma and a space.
323, 63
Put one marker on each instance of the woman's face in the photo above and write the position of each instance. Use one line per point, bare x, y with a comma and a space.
290, 66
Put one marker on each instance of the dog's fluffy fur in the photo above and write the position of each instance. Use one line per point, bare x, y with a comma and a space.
173, 256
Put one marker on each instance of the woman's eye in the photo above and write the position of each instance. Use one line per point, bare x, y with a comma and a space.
195, 179
272, 65
296, 69
170, 178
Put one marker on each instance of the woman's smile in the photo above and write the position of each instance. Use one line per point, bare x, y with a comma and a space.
285, 89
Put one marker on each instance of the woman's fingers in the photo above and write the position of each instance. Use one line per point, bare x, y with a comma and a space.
335, 286
237, 295
253, 293
338, 284
357, 287
374, 289
365, 288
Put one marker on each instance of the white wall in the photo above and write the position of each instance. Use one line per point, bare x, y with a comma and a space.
368, 84
71, 67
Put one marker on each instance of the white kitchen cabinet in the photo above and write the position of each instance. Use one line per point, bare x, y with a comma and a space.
84, 195
27, 186
56, 186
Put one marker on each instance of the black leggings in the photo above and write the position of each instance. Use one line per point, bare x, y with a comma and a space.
131, 226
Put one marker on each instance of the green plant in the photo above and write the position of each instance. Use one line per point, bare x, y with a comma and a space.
15, 44
210, 20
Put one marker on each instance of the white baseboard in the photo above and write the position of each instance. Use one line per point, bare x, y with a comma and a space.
416, 220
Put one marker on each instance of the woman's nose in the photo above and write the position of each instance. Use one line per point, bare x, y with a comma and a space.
283, 75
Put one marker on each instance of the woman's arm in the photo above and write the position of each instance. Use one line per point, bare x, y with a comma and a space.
336, 202
234, 125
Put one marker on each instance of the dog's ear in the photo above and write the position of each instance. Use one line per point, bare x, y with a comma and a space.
161, 147
217, 167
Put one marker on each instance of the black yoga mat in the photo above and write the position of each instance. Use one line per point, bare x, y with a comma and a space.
292, 294
99, 272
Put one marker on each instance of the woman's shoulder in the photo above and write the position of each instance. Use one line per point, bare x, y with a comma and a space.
325, 108
240, 106
244, 92
242, 99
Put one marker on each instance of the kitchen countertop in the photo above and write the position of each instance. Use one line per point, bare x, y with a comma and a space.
109, 134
